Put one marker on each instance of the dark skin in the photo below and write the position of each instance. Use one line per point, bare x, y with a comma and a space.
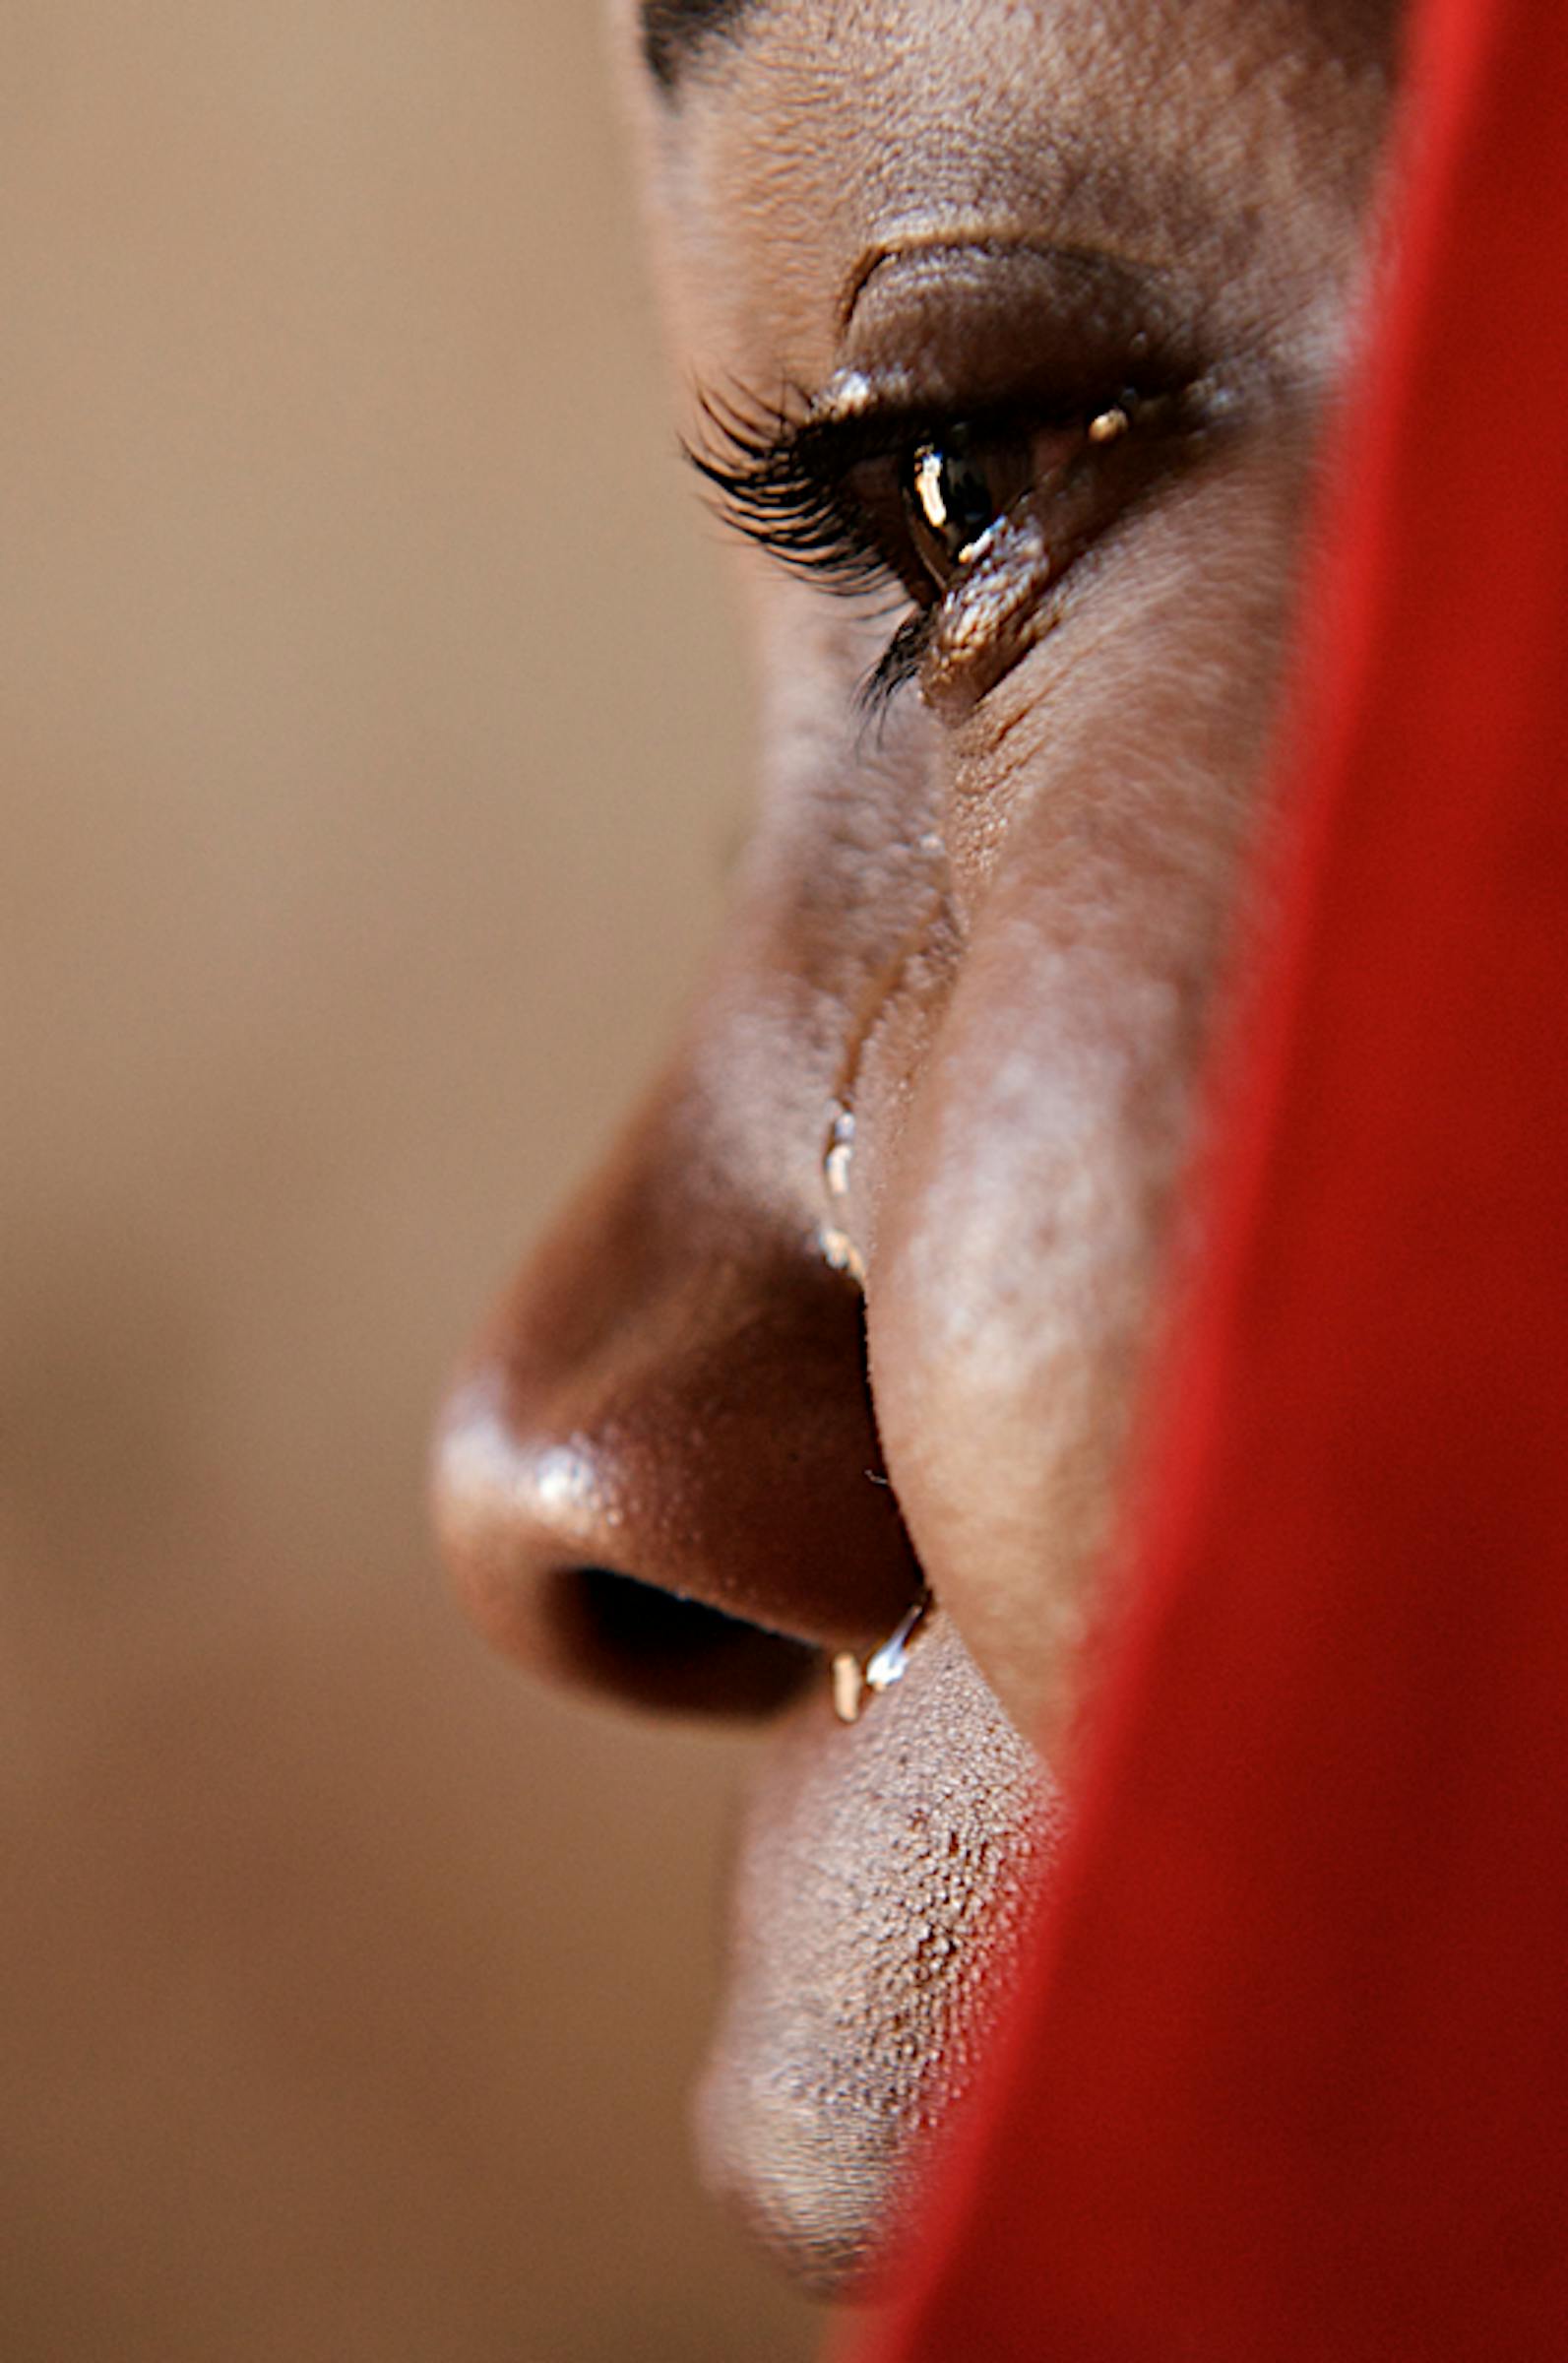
1033, 310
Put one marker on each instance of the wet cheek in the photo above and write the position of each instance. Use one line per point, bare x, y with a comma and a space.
1007, 1301
1098, 814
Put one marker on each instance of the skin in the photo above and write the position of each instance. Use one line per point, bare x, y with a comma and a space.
996, 925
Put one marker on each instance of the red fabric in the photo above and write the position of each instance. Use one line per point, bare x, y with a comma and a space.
1293, 2078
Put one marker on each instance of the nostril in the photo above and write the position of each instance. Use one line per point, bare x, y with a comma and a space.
654, 1648
681, 1505
506, 1511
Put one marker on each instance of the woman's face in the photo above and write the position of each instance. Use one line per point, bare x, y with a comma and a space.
1008, 328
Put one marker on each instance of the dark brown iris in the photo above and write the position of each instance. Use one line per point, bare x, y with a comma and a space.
957, 485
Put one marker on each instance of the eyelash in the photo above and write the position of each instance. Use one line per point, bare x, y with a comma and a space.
785, 481
779, 480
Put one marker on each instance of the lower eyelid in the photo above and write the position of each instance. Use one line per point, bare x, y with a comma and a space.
990, 616
961, 640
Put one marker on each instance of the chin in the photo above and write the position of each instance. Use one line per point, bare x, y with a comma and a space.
808, 2184
886, 1881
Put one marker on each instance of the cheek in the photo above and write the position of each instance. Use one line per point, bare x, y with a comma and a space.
1034, 1135
1016, 1241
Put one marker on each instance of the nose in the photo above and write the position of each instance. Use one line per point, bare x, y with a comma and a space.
658, 1475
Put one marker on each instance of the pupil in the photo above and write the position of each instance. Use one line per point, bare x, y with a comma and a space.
968, 495
954, 493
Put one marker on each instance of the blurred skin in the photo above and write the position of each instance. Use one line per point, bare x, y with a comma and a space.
988, 922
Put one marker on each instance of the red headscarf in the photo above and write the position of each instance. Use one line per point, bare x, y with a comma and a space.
1291, 2081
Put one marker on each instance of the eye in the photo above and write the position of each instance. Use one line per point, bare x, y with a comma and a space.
864, 497
934, 502
955, 486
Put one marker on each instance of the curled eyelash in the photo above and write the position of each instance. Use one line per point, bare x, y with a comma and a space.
780, 476
779, 480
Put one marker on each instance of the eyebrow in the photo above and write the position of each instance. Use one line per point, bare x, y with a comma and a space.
674, 30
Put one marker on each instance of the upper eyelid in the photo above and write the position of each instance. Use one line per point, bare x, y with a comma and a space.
766, 455
882, 429
782, 480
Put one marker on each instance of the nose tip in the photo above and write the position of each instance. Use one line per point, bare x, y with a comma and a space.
533, 1543
680, 1505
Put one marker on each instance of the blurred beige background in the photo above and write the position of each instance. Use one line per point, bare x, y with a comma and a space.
372, 746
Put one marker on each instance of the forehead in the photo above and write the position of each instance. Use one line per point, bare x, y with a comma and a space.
793, 142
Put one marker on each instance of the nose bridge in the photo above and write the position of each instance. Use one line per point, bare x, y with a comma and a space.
672, 1394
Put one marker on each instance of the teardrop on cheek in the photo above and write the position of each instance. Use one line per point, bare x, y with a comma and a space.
837, 1157
838, 1250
